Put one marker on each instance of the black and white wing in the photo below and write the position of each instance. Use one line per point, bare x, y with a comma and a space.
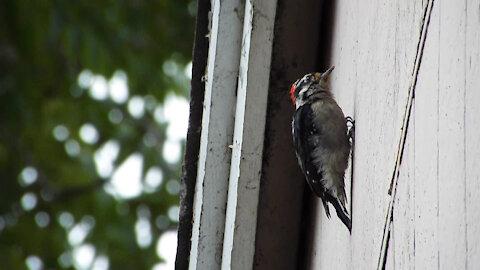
304, 127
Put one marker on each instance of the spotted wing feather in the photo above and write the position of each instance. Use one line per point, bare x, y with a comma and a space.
303, 126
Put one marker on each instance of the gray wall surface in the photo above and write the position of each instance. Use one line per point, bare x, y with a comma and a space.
409, 74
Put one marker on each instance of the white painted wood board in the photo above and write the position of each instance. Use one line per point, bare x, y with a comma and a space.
401, 250
436, 211
472, 132
248, 140
374, 58
217, 132
451, 139
426, 151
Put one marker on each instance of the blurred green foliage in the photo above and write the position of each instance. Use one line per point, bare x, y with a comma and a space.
44, 45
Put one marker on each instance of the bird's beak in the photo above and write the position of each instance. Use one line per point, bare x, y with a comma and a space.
325, 75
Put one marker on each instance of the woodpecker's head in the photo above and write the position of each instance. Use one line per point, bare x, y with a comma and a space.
309, 85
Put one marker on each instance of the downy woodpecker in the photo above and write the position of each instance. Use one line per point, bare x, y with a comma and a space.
321, 140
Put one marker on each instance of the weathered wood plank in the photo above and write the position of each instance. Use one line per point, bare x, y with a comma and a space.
402, 242
248, 139
384, 74
374, 49
405, 126
451, 136
436, 220
472, 132
426, 150
390, 260
217, 132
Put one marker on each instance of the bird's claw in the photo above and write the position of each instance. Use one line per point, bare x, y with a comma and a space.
351, 128
350, 120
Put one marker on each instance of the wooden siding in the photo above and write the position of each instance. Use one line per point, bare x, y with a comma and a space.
386, 69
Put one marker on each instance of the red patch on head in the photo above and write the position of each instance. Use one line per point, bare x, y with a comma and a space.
292, 93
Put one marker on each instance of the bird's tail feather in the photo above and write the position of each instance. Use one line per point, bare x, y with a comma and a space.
342, 213
339, 205
325, 205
